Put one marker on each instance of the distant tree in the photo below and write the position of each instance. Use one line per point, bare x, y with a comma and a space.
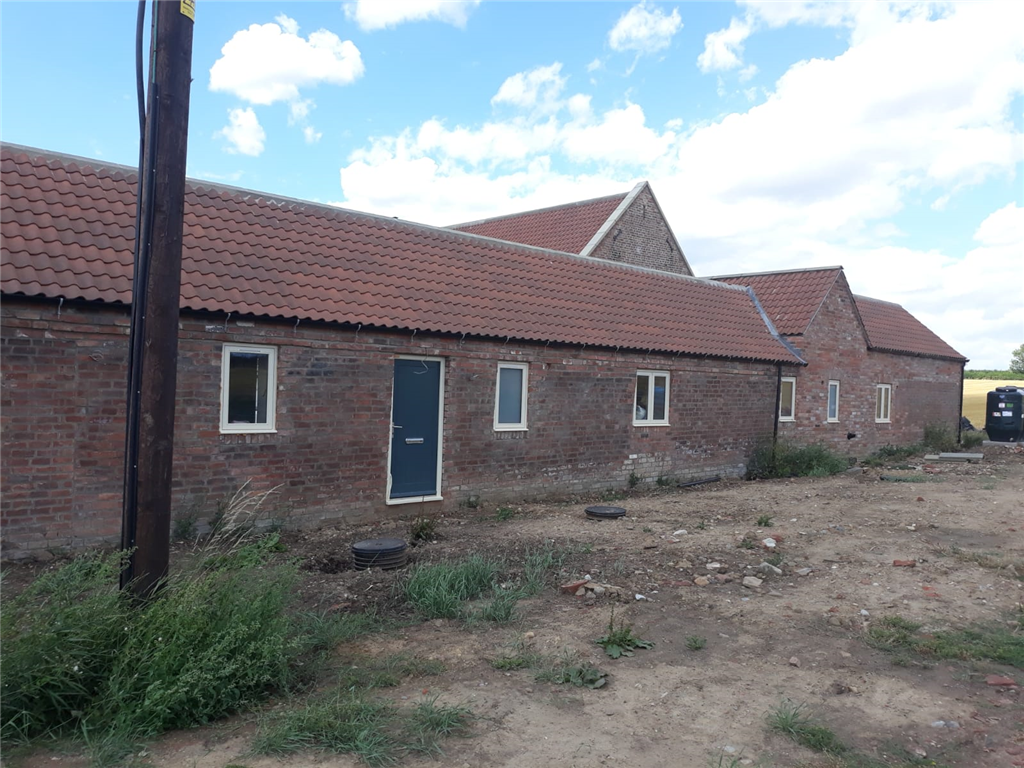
1017, 360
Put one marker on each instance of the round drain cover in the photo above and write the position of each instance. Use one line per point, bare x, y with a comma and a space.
379, 553
605, 513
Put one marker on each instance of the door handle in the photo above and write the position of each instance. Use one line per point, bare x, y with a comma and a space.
413, 440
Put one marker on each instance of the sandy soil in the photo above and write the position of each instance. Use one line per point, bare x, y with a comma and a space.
670, 706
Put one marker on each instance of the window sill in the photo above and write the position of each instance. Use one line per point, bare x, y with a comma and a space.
511, 429
784, 421
413, 499
831, 421
253, 431
651, 424
883, 421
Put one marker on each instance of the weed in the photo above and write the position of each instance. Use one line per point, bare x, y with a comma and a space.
504, 514
423, 528
387, 672
81, 660
910, 478
794, 721
939, 437
665, 482
765, 521
747, 542
510, 663
775, 558
1000, 643
184, 527
537, 564
634, 479
696, 643
620, 640
343, 723
985, 560
613, 494
502, 608
647, 529
445, 720
439, 591
970, 440
567, 669
702, 526
788, 460
888, 454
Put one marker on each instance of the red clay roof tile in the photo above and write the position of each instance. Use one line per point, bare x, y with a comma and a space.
562, 228
790, 299
891, 328
248, 253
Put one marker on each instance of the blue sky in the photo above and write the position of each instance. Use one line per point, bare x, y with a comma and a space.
886, 138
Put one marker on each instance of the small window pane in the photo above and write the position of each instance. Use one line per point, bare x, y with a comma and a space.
510, 395
247, 388
642, 384
786, 400
660, 388
833, 401
882, 402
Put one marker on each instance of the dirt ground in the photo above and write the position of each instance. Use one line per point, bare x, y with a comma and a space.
797, 637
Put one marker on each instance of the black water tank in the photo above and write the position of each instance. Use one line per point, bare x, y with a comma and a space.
1004, 414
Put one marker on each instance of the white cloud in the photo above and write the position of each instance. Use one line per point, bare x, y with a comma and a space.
813, 174
748, 73
372, 15
724, 49
644, 29
243, 132
298, 111
267, 63
311, 135
594, 65
539, 87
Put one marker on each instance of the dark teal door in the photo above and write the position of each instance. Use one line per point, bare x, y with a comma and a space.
415, 412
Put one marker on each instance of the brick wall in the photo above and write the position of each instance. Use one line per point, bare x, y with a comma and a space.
924, 390
642, 237
63, 420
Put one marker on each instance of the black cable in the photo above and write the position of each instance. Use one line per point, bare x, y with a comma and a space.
143, 221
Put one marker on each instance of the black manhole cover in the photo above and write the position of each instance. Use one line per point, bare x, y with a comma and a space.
379, 553
605, 513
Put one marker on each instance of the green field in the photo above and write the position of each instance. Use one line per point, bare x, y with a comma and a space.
975, 391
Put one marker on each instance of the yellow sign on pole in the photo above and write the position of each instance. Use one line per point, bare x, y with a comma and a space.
188, 8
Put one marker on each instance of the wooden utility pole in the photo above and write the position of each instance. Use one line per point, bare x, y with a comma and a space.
152, 382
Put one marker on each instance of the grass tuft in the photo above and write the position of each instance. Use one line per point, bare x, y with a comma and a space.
439, 591
1000, 643
796, 722
696, 643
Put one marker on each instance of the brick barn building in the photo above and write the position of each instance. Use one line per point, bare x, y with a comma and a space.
875, 375
360, 364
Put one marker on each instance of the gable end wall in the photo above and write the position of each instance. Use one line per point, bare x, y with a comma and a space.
642, 237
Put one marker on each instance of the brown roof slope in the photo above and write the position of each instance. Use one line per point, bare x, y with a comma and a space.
67, 231
891, 328
562, 228
790, 299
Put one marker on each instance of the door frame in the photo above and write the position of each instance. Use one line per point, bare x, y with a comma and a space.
440, 432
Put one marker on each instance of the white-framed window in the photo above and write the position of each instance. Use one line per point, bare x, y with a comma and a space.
883, 402
510, 396
833, 401
787, 399
650, 407
248, 386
